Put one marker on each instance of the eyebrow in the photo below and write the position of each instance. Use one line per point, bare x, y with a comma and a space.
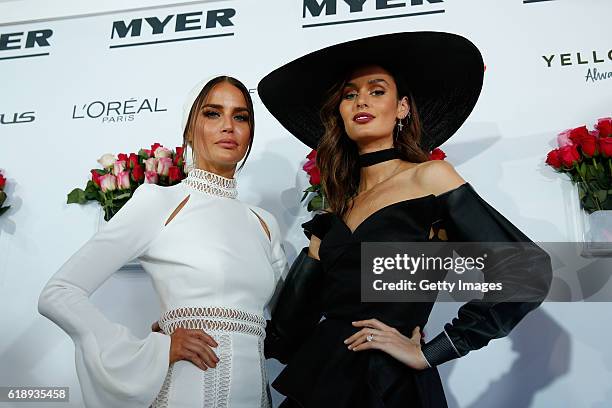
371, 81
220, 107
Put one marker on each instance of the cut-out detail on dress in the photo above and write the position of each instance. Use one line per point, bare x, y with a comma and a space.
161, 401
264, 225
213, 318
217, 382
177, 210
437, 232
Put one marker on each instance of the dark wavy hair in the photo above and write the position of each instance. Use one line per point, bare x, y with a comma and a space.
201, 100
337, 154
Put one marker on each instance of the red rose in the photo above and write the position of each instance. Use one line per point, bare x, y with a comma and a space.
179, 151
174, 174
154, 147
578, 133
605, 146
554, 159
95, 177
312, 155
437, 154
137, 173
122, 157
588, 144
569, 155
2, 182
604, 126
133, 160
147, 152
315, 176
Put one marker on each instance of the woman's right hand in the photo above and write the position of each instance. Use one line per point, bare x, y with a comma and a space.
193, 345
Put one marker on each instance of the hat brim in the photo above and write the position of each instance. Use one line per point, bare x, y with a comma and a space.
444, 73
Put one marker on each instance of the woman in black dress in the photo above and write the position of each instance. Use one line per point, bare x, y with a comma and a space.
357, 104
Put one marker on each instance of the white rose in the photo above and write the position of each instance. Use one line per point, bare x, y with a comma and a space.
162, 152
107, 160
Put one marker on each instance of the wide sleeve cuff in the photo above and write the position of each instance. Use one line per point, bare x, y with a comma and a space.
126, 374
440, 350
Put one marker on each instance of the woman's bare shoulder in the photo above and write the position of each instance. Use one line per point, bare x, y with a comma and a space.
436, 177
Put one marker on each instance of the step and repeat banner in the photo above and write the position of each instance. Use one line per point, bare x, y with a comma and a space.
75, 88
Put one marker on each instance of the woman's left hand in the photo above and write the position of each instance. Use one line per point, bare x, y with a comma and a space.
389, 340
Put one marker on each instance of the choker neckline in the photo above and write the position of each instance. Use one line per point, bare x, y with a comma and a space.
372, 158
211, 183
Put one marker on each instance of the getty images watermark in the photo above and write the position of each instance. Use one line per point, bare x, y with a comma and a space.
491, 271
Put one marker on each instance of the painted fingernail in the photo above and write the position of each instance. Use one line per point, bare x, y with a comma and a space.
346, 341
350, 347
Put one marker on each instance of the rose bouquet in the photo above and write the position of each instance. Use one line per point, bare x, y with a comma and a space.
317, 202
3, 195
113, 184
586, 157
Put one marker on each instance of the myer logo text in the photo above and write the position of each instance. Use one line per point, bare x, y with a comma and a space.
365, 10
25, 44
172, 27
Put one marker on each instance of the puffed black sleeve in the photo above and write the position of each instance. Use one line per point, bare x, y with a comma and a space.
525, 274
298, 310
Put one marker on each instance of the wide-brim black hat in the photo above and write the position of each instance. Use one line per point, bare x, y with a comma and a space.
443, 72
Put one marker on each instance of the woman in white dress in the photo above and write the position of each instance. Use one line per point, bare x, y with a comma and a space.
215, 263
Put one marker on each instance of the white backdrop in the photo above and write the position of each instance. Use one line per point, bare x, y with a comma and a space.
558, 356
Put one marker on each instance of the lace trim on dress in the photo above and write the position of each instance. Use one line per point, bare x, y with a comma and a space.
217, 381
213, 318
211, 183
266, 398
161, 401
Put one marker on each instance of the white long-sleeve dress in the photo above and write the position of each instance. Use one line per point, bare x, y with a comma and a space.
214, 268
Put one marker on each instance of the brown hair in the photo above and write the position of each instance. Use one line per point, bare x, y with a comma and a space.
201, 100
337, 154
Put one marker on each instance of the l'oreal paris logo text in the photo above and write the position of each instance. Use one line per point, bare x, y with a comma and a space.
14, 118
116, 111
582, 58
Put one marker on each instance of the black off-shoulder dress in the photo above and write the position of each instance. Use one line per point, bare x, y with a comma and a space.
322, 372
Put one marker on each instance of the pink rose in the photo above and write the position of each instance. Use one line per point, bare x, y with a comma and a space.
163, 152
309, 165
150, 164
123, 180
150, 177
163, 165
108, 182
118, 167
563, 139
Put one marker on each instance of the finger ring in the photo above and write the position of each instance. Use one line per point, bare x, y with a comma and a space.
370, 337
